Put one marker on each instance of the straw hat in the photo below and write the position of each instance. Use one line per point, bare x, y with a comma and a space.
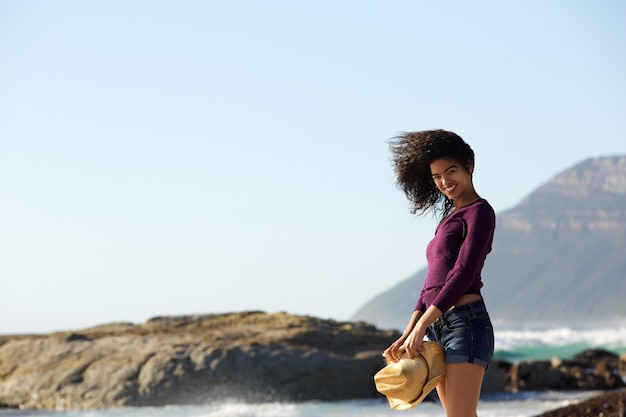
407, 382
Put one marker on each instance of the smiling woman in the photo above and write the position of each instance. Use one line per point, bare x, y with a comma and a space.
454, 180
414, 155
434, 169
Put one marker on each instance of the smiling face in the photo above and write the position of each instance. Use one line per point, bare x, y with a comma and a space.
454, 180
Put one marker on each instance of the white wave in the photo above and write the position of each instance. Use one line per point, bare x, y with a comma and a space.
254, 410
607, 338
506, 405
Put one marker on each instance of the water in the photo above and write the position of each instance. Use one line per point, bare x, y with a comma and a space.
523, 405
511, 344
517, 345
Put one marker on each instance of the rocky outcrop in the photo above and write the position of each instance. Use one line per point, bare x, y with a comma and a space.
621, 365
192, 360
592, 369
604, 405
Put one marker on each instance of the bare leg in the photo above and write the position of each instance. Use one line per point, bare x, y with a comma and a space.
441, 392
459, 392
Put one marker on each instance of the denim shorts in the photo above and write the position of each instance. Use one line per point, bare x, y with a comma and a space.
465, 333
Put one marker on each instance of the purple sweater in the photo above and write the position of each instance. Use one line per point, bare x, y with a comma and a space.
456, 256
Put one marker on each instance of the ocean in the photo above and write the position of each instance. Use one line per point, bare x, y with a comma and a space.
495, 406
513, 345
520, 344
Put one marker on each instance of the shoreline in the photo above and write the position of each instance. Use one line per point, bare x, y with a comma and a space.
598, 404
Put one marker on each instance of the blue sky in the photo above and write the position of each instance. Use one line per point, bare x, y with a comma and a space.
177, 157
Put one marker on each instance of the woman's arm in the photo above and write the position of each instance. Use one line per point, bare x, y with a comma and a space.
414, 341
393, 352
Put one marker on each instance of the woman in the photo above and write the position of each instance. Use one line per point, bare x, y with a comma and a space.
434, 169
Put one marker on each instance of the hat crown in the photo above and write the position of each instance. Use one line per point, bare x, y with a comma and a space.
407, 382
403, 380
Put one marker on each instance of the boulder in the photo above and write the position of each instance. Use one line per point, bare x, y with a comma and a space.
622, 364
538, 375
197, 359
592, 369
591, 357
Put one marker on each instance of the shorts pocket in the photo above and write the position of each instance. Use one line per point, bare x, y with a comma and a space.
457, 323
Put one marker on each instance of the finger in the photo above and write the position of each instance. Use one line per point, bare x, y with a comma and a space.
387, 353
413, 351
410, 353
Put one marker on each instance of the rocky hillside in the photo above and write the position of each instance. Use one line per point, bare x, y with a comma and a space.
559, 257
192, 360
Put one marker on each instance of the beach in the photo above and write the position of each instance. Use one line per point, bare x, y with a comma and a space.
504, 405
511, 344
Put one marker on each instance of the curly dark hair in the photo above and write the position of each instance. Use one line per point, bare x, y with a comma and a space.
412, 154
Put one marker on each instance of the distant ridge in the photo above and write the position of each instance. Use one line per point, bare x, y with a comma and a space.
559, 256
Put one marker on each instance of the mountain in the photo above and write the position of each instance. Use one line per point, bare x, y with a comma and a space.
559, 257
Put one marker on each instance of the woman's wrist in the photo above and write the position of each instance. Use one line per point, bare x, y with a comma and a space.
421, 326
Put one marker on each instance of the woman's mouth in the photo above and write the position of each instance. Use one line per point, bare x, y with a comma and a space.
449, 188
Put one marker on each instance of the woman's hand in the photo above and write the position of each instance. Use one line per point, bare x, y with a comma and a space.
414, 343
394, 351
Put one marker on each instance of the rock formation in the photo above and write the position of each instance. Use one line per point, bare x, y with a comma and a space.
592, 369
249, 356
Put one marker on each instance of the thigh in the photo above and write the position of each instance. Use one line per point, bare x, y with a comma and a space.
461, 389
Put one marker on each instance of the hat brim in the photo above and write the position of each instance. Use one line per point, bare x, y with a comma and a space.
401, 405
433, 354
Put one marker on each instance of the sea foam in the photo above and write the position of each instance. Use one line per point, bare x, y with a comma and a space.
535, 344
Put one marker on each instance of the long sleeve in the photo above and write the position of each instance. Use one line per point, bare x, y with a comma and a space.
456, 256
